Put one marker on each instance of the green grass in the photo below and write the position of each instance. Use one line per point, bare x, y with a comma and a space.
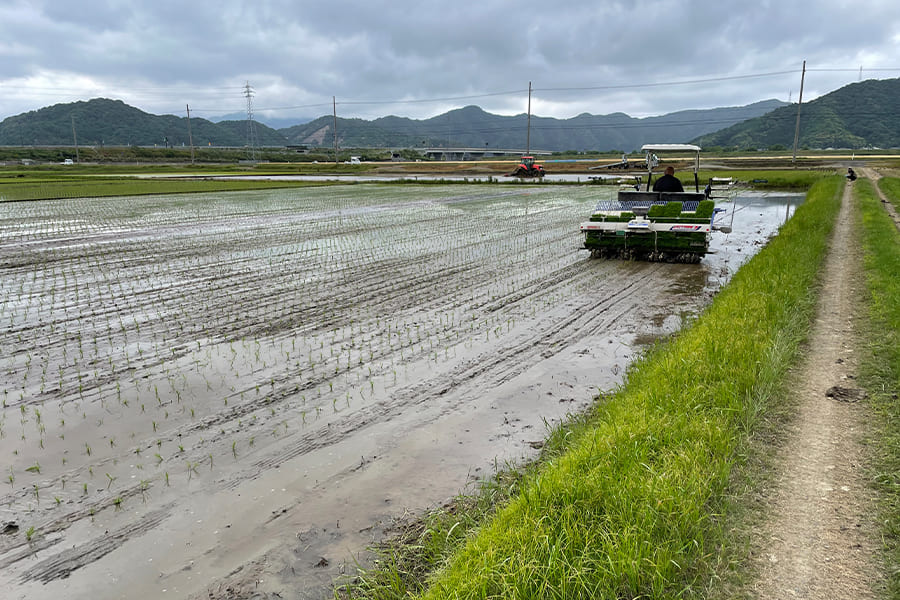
419, 547
774, 179
891, 188
633, 507
880, 369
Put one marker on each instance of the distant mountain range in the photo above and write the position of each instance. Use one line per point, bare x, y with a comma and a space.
107, 122
858, 115
471, 127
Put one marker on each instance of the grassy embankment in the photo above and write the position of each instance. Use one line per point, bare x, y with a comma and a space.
880, 370
633, 506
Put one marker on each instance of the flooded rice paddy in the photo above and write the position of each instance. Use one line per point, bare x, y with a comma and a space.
204, 393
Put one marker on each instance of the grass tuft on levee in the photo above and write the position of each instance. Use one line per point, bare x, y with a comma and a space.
633, 507
880, 365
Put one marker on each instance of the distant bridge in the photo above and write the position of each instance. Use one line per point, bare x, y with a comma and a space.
475, 153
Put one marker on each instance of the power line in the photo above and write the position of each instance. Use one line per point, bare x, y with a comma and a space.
444, 99
666, 83
853, 70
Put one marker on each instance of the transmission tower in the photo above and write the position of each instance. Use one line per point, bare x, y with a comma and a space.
251, 128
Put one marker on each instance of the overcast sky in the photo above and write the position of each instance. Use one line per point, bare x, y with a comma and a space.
421, 58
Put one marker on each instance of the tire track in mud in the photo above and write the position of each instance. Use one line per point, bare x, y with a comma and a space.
63, 563
589, 317
516, 358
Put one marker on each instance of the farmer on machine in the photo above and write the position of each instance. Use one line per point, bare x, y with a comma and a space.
668, 182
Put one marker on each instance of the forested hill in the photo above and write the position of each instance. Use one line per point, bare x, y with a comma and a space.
859, 115
113, 123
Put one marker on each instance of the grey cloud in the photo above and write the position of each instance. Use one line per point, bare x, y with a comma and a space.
161, 54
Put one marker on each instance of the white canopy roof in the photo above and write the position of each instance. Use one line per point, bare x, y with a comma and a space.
670, 148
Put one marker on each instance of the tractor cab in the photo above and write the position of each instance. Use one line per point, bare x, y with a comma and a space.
528, 168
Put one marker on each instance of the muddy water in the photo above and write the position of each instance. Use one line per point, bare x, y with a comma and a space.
240, 391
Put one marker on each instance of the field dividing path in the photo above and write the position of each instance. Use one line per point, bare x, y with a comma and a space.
821, 537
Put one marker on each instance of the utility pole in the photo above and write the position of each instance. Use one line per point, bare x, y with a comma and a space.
528, 134
334, 128
251, 131
799, 104
190, 137
75, 139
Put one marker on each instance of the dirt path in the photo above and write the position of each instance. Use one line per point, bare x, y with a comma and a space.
821, 538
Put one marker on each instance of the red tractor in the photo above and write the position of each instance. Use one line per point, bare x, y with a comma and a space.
527, 168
